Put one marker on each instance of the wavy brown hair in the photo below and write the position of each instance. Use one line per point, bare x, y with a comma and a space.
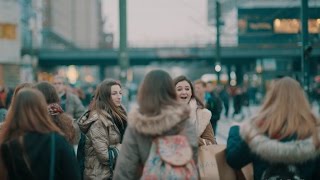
63, 121
286, 112
102, 100
28, 113
156, 92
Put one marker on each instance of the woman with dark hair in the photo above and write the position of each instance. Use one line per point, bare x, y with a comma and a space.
104, 129
199, 115
32, 146
61, 119
158, 115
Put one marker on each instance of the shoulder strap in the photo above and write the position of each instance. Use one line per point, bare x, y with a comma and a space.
52, 157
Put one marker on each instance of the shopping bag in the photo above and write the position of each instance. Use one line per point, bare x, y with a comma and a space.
228, 173
207, 164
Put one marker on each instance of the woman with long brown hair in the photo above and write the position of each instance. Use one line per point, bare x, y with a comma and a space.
159, 115
104, 129
283, 135
32, 146
199, 115
59, 117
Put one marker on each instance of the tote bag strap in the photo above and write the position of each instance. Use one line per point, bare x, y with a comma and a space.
52, 157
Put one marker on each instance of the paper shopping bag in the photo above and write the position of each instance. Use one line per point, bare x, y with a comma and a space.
228, 173
207, 164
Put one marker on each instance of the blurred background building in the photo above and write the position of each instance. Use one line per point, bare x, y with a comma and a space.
260, 40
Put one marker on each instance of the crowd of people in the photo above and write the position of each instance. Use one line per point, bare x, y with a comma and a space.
159, 138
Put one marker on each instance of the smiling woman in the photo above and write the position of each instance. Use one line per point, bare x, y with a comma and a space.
199, 115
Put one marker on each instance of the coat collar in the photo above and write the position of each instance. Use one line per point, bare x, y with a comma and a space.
169, 117
275, 151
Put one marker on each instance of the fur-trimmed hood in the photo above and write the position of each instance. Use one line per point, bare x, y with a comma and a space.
274, 151
160, 124
86, 120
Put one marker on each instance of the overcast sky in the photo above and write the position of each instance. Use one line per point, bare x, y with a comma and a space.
156, 22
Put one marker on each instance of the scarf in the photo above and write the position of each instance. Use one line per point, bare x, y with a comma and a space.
54, 109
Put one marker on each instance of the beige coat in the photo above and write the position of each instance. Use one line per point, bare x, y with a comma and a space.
201, 119
101, 133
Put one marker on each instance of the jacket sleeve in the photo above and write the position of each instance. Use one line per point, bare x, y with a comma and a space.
99, 135
67, 162
237, 153
78, 108
129, 165
215, 106
208, 135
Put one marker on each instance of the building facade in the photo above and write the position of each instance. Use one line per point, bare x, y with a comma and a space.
10, 43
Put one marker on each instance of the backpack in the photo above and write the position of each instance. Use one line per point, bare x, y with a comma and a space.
81, 146
170, 157
281, 171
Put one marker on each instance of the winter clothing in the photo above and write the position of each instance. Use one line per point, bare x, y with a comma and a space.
32, 161
101, 133
3, 113
214, 105
263, 152
72, 105
142, 129
201, 120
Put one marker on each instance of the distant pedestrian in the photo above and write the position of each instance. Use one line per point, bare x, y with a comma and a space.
3, 112
283, 140
104, 129
69, 102
58, 116
199, 115
157, 116
32, 146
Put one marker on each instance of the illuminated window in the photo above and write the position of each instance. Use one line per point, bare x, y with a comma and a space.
8, 31
314, 26
286, 26
292, 26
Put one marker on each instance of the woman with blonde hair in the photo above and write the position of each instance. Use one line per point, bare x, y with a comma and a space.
282, 140
32, 146
199, 115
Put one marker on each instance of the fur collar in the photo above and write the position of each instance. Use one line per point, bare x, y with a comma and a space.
274, 151
199, 117
159, 124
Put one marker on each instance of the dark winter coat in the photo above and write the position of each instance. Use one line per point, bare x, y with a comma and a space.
37, 148
263, 151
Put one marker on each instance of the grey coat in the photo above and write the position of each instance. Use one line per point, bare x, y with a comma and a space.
139, 135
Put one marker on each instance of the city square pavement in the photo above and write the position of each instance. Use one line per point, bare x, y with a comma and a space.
224, 123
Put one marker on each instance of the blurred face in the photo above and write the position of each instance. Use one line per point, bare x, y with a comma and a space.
184, 93
116, 95
199, 90
59, 85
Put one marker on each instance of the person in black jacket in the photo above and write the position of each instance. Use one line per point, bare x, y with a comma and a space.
213, 104
32, 146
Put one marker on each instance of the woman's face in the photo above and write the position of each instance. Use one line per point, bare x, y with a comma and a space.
116, 95
184, 93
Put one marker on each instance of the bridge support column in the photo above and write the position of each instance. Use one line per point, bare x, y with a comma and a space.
102, 72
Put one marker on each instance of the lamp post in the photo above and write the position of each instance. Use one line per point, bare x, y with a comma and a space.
305, 41
218, 49
123, 51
